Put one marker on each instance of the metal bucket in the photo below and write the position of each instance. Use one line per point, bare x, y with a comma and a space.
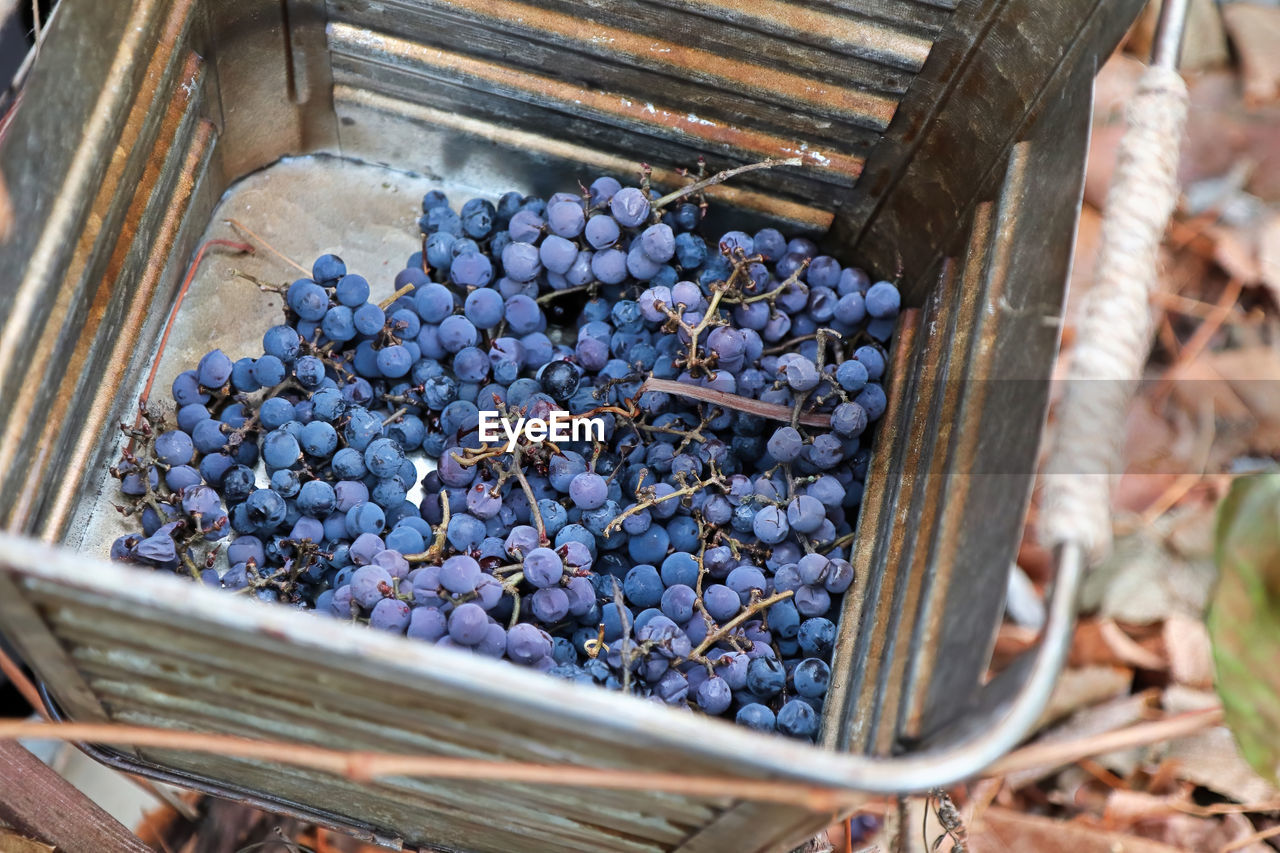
942, 142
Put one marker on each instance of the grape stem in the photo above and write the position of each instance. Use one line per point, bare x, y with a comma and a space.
788, 345
264, 286
721, 177
770, 296
738, 403
433, 554
649, 500
547, 297
846, 539
752, 609
624, 652
404, 291
241, 227
533, 501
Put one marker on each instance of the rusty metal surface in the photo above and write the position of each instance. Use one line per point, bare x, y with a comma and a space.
844, 720
216, 787
678, 80
901, 443
985, 81
272, 68
1013, 348
896, 616
943, 525
166, 104
51, 265
448, 142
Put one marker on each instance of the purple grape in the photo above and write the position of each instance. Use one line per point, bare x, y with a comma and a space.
602, 231
565, 219
588, 491
468, 624
521, 262
756, 716
629, 206
390, 615
722, 603
460, 574
471, 269
427, 623
527, 643
883, 300
550, 605
174, 448
543, 568
370, 584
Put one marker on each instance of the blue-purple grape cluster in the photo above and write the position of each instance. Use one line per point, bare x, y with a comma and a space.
697, 554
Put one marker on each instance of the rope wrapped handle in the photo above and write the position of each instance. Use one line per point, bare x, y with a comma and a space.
1114, 334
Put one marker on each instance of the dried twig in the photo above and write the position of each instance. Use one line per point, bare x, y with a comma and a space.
240, 226
1056, 754
1203, 334
363, 766
721, 177
24, 685
736, 402
386, 303
1260, 835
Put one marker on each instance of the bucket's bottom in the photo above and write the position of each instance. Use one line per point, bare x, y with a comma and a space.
300, 207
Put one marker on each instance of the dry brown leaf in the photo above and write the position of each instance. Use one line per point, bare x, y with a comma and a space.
1088, 238
1179, 699
1135, 491
1011, 641
11, 842
1114, 88
1183, 272
1187, 647
1252, 374
1160, 441
1104, 145
1238, 828
1036, 560
1000, 829
1091, 717
1236, 251
1128, 650
1255, 32
1084, 687
1200, 380
1190, 530
1221, 132
1210, 758
1089, 647
1125, 808
1143, 581
1269, 255
1188, 832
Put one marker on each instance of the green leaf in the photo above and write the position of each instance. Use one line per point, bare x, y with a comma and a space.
1244, 619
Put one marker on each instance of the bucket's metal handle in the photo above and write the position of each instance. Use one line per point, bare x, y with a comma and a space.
1114, 334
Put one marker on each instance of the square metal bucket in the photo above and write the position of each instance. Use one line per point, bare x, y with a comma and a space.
943, 144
